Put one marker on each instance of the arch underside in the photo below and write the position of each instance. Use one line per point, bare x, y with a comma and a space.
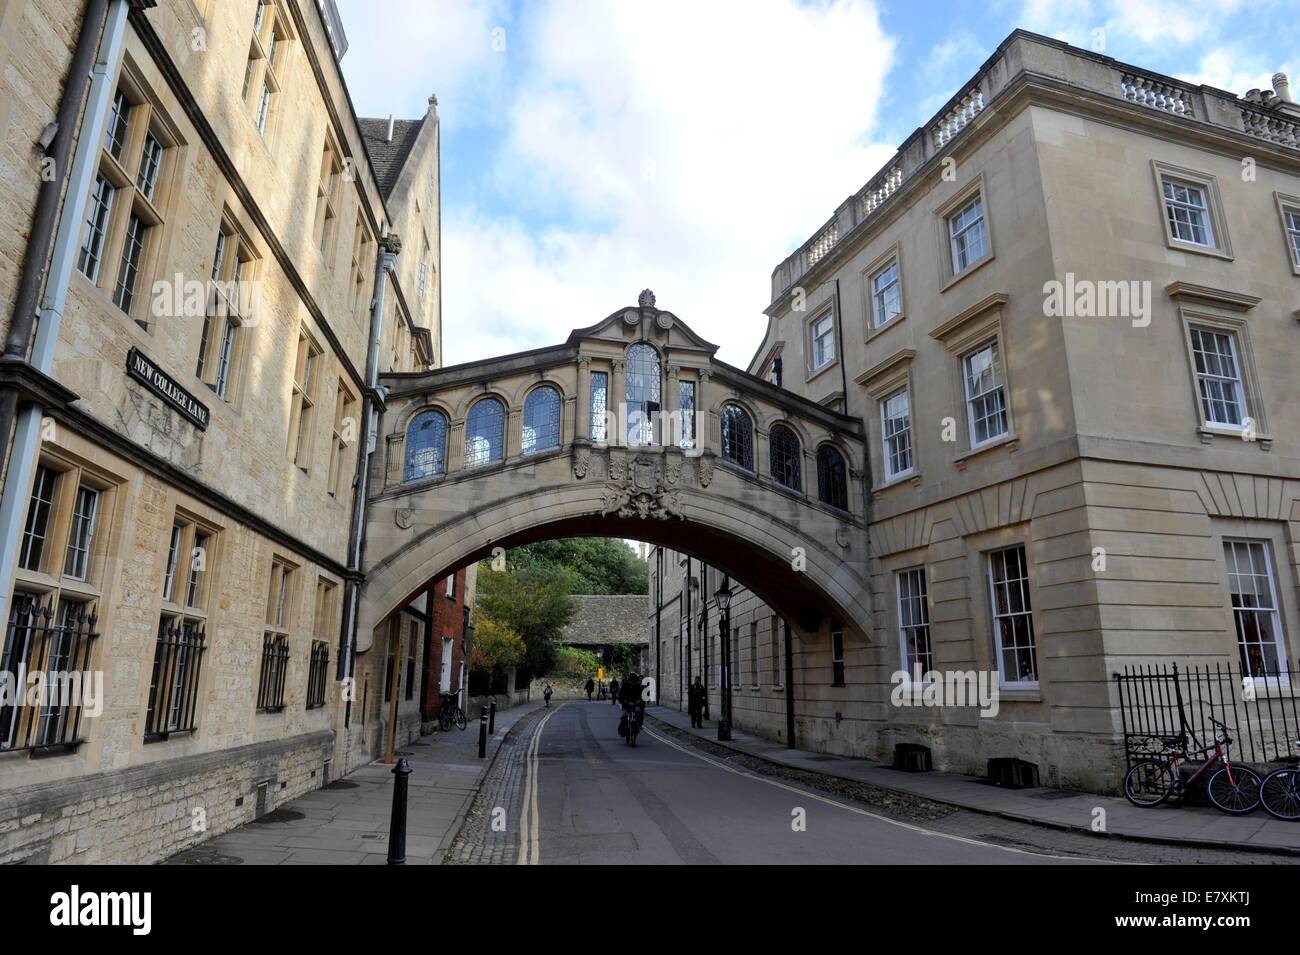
744, 539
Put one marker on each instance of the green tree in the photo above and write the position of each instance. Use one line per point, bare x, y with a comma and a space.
496, 646
592, 565
534, 603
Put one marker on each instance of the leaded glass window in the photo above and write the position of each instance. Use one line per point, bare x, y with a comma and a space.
686, 406
786, 456
599, 405
737, 437
485, 433
541, 420
643, 393
426, 446
832, 478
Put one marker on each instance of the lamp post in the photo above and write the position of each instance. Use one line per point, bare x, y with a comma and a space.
723, 597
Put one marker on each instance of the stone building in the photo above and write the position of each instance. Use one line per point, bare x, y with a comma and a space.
1066, 311
604, 620
234, 257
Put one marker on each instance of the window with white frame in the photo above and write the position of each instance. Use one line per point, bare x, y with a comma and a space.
886, 295
823, 341
1255, 616
914, 623
1291, 222
986, 400
967, 235
1013, 621
896, 430
451, 587
1187, 209
1218, 377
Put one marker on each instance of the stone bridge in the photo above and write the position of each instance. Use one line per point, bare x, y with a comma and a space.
633, 429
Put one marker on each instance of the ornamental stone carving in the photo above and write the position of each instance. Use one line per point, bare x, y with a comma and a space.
644, 488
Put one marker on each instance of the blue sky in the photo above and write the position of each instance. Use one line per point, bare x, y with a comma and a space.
591, 149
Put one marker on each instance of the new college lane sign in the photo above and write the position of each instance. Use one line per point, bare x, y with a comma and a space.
165, 387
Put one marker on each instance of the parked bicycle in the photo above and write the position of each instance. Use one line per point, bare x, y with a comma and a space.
450, 713
1280, 791
1154, 779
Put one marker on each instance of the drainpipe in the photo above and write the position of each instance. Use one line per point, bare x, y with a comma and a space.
659, 612
385, 267
102, 28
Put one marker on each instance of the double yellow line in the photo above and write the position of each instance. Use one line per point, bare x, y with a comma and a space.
529, 826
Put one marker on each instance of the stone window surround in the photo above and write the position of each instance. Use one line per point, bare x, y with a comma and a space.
242, 251
175, 604
961, 335
145, 116
304, 399
1275, 536
281, 24
977, 187
50, 580
1287, 203
880, 381
978, 547
893, 255
1222, 249
815, 315
1223, 312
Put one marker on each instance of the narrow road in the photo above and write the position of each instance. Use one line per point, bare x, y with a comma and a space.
586, 797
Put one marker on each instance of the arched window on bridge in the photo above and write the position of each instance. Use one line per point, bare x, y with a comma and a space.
832, 478
737, 437
426, 446
644, 387
785, 457
485, 432
541, 420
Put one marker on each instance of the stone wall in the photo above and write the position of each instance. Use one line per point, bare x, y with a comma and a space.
147, 813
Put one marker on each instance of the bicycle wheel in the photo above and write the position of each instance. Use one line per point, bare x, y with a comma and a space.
1148, 783
1236, 796
444, 720
1280, 793
461, 722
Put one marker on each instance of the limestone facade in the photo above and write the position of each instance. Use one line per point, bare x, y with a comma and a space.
231, 152
1070, 451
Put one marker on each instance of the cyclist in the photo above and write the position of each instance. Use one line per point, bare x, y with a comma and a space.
629, 694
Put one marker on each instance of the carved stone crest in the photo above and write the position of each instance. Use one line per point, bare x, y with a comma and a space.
404, 517
706, 469
641, 489
843, 536
581, 463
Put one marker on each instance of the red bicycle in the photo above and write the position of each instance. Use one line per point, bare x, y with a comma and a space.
1154, 779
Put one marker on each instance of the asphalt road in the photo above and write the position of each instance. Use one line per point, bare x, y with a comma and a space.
587, 798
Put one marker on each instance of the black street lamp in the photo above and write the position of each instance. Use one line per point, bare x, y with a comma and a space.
723, 597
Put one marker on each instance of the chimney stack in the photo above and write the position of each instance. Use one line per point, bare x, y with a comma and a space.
389, 138
1282, 87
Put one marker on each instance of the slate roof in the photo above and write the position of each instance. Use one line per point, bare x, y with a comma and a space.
388, 158
604, 619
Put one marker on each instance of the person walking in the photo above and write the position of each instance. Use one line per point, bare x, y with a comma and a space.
546, 694
695, 703
590, 688
613, 690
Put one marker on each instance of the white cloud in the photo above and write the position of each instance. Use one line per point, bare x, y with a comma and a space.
686, 147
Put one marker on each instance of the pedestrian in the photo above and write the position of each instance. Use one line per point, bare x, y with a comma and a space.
613, 690
600, 691
546, 694
590, 688
695, 698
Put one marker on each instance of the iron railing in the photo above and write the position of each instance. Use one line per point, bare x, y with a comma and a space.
1259, 707
317, 674
46, 668
174, 688
275, 665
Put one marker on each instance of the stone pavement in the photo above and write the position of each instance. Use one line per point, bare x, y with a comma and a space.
1186, 825
346, 823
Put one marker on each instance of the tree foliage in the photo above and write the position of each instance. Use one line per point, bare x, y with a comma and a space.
534, 603
496, 646
589, 565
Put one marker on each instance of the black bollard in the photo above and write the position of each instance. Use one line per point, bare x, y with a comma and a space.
492, 717
482, 732
397, 825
